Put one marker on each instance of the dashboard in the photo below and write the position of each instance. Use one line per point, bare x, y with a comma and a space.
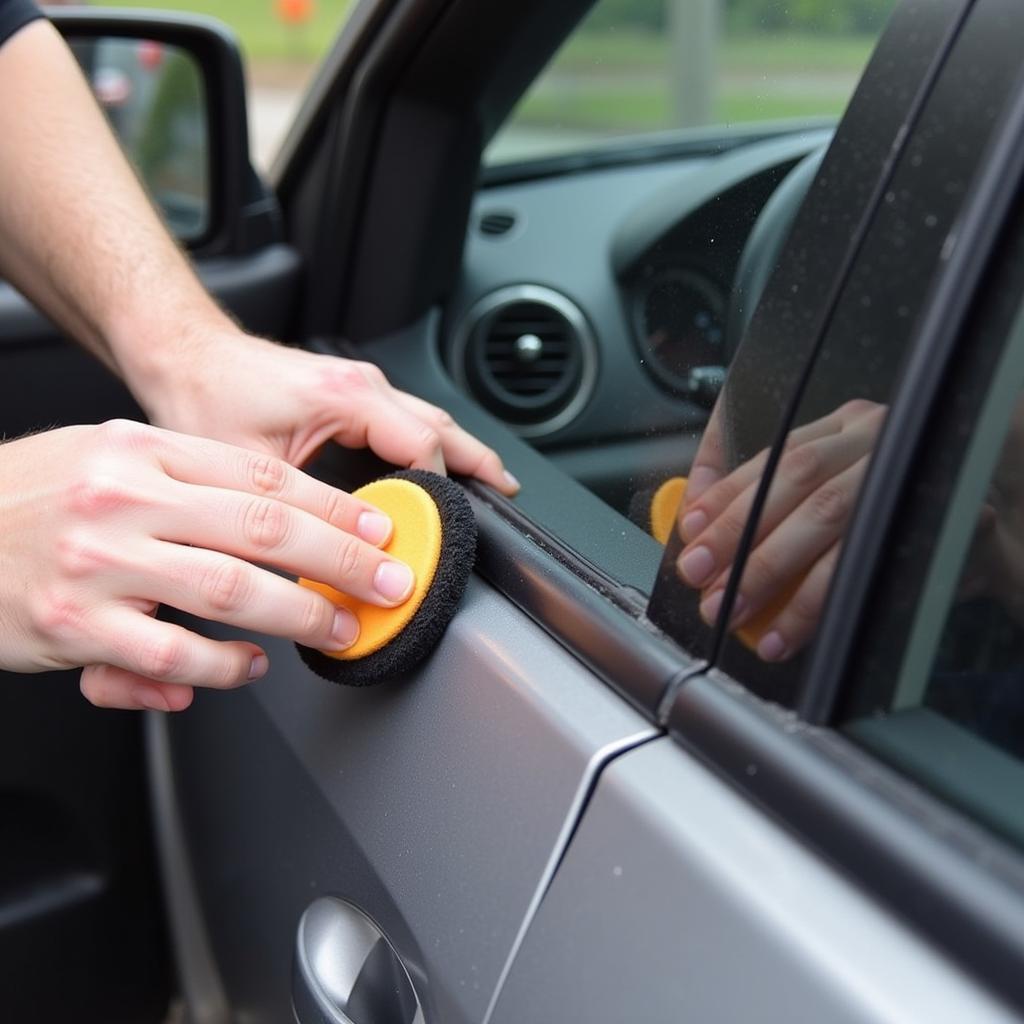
596, 310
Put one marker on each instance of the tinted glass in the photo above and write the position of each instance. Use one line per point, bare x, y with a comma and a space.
939, 687
602, 298
832, 428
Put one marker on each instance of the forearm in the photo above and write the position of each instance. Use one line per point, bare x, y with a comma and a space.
77, 234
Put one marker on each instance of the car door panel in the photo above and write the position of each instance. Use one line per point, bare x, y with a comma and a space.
80, 906
438, 804
441, 804
740, 920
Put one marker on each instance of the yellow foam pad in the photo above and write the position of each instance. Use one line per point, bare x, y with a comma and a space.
416, 540
664, 508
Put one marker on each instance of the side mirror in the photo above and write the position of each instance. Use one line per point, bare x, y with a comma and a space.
173, 90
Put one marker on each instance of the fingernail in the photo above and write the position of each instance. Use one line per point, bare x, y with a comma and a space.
151, 699
258, 667
693, 524
374, 527
697, 566
393, 581
512, 481
345, 629
771, 647
709, 608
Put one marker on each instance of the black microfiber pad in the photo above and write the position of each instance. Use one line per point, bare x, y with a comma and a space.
422, 633
639, 511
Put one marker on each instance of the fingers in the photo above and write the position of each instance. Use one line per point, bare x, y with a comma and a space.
373, 418
820, 452
790, 551
406, 430
709, 464
109, 687
463, 453
270, 532
719, 494
795, 626
218, 587
163, 652
809, 503
200, 461
720, 497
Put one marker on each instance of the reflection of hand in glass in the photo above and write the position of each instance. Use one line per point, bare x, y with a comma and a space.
797, 542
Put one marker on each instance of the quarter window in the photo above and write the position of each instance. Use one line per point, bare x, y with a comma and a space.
939, 688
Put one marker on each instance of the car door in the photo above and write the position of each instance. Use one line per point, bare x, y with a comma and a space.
82, 928
882, 763
440, 812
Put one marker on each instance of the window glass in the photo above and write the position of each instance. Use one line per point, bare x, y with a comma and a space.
641, 66
830, 434
283, 42
940, 691
602, 298
154, 98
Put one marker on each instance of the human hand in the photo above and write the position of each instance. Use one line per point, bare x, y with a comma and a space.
288, 402
799, 534
104, 523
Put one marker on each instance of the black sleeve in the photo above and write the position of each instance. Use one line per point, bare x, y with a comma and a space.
14, 14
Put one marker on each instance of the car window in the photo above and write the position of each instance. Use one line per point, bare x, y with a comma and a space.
938, 689
602, 297
283, 42
643, 66
823, 444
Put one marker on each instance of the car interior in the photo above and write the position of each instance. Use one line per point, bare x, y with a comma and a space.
636, 273
585, 312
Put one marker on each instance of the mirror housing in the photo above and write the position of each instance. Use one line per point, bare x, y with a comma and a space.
241, 214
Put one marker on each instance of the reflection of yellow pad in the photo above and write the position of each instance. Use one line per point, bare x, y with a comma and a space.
664, 506
664, 511
416, 540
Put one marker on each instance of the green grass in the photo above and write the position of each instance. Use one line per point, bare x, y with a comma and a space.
619, 82
597, 109
621, 50
784, 52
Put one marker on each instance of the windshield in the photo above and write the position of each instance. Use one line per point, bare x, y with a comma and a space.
641, 66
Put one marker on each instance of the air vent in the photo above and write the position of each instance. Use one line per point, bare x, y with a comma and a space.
497, 222
528, 355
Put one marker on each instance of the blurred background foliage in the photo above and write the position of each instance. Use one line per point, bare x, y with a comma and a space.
617, 74
753, 16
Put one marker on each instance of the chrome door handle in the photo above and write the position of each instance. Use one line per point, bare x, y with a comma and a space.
346, 971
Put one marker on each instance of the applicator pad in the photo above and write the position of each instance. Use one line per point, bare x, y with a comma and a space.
654, 508
435, 534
